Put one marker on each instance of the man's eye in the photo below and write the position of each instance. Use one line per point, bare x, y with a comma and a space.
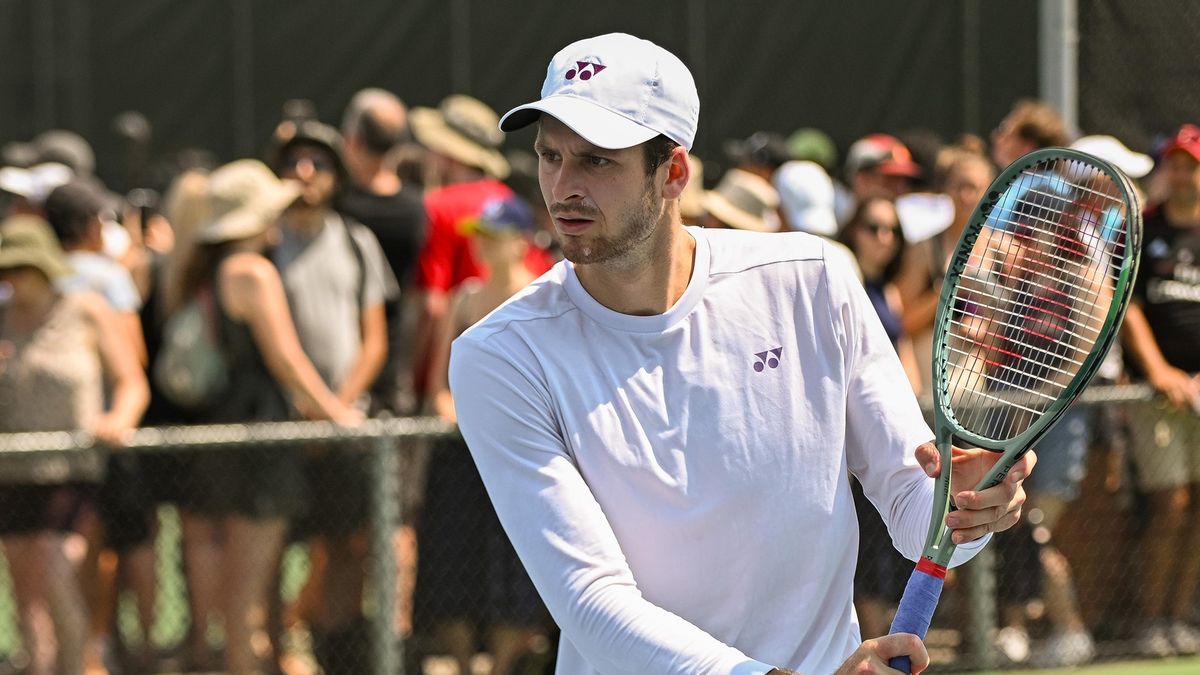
598, 161
547, 156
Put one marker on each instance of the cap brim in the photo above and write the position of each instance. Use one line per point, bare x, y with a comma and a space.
903, 169
596, 124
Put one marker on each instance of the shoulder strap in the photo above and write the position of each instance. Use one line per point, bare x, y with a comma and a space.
347, 226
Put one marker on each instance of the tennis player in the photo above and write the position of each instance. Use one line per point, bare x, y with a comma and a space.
667, 420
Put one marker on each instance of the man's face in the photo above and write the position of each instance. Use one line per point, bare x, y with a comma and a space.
875, 183
1182, 173
603, 204
966, 184
316, 170
1007, 145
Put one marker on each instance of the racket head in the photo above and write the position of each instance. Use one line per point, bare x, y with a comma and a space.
1033, 298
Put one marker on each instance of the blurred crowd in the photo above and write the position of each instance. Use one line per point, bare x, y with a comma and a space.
326, 278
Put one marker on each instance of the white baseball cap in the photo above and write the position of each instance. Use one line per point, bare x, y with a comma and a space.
806, 191
1108, 148
616, 91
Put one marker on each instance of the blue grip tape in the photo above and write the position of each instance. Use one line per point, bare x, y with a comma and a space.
916, 609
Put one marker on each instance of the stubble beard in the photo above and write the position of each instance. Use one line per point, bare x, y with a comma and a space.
621, 249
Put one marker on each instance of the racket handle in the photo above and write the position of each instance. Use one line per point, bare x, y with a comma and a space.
917, 605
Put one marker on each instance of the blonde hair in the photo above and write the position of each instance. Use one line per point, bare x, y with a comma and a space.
186, 206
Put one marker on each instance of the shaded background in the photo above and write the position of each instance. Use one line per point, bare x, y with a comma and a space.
215, 73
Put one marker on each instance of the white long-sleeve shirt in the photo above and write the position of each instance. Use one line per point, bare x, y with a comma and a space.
677, 485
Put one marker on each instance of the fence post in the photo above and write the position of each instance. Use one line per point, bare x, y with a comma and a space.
385, 510
981, 589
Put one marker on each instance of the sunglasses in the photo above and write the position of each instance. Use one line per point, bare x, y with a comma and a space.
877, 228
318, 163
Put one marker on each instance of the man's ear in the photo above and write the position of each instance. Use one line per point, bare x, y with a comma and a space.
679, 172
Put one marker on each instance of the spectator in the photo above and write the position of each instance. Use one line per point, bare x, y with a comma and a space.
965, 179
29, 187
806, 196
469, 574
237, 503
461, 139
57, 351
761, 154
1161, 331
127, 515
742, 201
1029, 125
374, 126
877, 165
337, 281
876, 239
813, 145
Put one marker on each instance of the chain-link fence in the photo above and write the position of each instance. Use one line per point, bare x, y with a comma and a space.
374, 550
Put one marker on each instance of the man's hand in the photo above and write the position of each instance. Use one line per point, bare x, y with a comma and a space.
1179, 387
872, 656
992, 510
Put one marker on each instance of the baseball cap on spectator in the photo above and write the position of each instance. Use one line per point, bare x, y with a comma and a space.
35, 183
1187, 139
743, 201
505, 216
464, 129
813, 145
616, 91
244, 199
764, 148
65, 147
806, 192
308, 132
28, 241
77, 200
1108, 148
883, 153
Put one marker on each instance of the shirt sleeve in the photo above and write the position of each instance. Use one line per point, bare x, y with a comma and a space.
885, 424
559, 529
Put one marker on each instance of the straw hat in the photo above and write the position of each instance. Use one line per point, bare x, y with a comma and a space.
744, 201
464, 129
28, 241
245, 199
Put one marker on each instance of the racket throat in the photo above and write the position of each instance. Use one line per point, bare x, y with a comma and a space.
938, 545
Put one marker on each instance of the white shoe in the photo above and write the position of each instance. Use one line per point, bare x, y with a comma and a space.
1013, 642
1154, 641
1066, 649
1184, 638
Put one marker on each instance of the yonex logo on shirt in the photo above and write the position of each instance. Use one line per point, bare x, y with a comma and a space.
585, 70
767, 359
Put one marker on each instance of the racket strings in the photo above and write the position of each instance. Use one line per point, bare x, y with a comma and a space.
1031, 303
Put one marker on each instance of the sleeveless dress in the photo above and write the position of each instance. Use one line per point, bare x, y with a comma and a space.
53, 381
256, 482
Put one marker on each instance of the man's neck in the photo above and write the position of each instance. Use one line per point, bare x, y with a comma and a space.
648, 283
375, 177
306, 220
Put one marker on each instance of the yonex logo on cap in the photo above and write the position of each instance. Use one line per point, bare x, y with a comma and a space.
585, 70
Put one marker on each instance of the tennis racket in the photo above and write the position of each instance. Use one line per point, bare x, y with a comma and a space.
1035, 293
